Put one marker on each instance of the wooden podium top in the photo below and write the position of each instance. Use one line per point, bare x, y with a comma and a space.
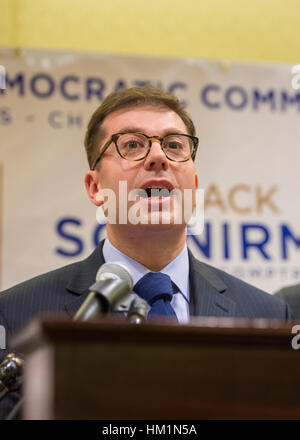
200, 330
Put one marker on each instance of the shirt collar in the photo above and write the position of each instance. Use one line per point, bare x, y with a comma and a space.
177, 269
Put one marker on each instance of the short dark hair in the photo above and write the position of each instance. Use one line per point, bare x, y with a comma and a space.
132, 97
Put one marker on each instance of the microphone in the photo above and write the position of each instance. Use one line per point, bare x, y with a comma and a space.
11, 370
113, 284
138, 311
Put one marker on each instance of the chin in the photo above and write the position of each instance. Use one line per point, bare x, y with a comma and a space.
162, 222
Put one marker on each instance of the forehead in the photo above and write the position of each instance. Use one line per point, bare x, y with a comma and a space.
150, 120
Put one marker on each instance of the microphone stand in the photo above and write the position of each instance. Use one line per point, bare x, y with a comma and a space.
11, 379
11, 370
138, 311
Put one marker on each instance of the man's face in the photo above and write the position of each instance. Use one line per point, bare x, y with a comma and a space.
155, 171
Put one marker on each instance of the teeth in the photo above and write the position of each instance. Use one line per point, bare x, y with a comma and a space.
154, 192
157, 192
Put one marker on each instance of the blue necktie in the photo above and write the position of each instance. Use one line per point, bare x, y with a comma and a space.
157, 289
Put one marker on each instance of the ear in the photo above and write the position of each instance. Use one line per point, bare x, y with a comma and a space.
196, 181
93, 187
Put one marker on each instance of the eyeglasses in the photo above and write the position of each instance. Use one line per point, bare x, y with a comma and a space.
177, 147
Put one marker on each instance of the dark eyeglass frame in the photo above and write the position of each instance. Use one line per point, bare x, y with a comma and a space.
114, 138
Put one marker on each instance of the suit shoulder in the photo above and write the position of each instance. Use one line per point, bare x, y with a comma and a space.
45, 293
53, 278
50, 292
242, 291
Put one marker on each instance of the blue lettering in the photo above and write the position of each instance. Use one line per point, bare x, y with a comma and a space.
63, 85
43, 77
258, 98
60, 228
269, 273
205, 247
205, 99
120, 84
286, 234
287, 100
255, 273
140, 82
229, 98
226, 252
94, 87
247, 244
18, 80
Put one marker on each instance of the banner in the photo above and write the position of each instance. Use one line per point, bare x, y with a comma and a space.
247, 119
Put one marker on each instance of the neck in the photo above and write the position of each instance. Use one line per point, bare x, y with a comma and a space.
153, 249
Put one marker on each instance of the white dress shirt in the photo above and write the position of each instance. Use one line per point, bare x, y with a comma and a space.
178, 271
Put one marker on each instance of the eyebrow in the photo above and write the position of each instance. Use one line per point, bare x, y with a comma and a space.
135, 129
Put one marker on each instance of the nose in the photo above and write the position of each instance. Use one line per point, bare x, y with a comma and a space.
156, 158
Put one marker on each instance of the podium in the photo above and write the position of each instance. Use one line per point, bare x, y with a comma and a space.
210, 369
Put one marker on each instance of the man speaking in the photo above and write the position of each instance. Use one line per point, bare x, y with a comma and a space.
143, 138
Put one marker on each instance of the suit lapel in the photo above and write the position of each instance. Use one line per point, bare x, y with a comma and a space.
83, 278
206, 287
207, 291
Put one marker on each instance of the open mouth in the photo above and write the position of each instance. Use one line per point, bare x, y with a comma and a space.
154, 193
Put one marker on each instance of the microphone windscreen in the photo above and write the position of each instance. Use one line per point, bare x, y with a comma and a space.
115, 270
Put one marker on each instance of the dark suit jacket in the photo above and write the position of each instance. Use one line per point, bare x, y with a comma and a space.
212, 293
291, 295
